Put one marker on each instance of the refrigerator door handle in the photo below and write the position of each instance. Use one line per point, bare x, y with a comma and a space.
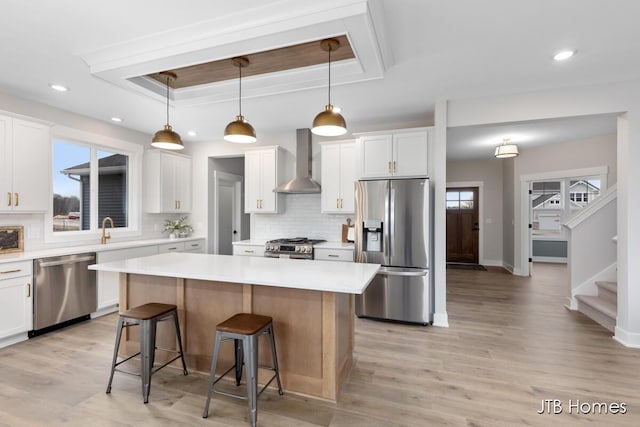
402, 272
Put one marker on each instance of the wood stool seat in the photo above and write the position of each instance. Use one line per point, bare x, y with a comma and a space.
148, 311
147, 317
244, 324
244, 329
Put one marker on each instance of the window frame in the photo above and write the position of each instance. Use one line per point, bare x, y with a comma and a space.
134, 186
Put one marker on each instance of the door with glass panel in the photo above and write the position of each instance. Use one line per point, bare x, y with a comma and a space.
462, 225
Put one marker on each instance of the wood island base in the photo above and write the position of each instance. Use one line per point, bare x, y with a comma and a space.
314, 330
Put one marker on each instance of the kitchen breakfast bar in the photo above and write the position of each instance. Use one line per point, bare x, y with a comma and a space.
311, 303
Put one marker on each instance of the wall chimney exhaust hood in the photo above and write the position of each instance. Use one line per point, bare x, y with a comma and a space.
302, 183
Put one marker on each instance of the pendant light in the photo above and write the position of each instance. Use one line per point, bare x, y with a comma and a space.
167, 138
506, 150
240, 130
329, 122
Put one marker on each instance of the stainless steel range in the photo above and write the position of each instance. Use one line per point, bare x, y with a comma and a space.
296, 248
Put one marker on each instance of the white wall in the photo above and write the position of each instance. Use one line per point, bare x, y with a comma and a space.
568, 155
489, 173
623, 97
33, 223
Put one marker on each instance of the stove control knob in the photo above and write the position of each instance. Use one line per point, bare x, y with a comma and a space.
297, 248
307, 249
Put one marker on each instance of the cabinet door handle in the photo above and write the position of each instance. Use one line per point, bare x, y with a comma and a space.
337, 203
394, 167
247, 251
17, 197
28, 290
333, 256
389, 167
17, 270
260, 203
257, 203
172, 249
8, 199
178, 204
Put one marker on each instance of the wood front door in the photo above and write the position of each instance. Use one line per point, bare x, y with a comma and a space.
462, 225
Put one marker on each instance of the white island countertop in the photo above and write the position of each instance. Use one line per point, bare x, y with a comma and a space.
327, 276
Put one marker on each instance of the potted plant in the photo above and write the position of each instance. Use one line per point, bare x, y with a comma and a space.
177, 227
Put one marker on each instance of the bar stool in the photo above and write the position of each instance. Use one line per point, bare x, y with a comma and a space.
244, 329
147, 317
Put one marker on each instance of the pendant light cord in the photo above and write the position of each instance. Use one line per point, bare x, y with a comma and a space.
329, 89
240, 90
168, 78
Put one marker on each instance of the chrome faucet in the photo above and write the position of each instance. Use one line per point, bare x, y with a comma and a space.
104, 238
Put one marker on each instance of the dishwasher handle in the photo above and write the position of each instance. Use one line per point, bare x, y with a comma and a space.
66, 261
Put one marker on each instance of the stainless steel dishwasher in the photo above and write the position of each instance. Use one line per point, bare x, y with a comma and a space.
64, 291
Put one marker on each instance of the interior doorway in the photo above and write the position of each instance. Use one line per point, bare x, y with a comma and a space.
463, 225
227, 222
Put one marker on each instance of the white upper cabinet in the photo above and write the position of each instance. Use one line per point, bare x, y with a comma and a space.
167, 182
25, 165
262, 171
394, 154
338, 177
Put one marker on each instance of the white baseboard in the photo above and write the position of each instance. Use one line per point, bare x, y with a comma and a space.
491, 263
508, 267
441, 320
627, 339
4, 342
105, 310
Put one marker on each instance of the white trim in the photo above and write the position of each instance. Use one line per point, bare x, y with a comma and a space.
570, 173
441, 320
480, 186
627, 339
97, 142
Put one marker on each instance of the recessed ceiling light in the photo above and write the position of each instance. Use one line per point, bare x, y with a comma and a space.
58, 87
562, 55
116, 119
191, 133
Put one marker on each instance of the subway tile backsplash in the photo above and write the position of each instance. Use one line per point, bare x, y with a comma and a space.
301, 217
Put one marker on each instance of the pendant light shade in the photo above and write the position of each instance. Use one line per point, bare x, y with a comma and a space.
240, 130
167, 138
329, 122
506, 150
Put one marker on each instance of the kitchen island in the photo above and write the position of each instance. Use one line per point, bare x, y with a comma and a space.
311, 303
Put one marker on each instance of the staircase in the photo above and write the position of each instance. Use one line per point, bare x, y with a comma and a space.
602, 308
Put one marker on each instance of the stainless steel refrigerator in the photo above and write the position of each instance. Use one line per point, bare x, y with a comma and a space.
393, 229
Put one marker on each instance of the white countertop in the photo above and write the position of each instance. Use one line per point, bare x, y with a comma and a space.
328, 276
49, 252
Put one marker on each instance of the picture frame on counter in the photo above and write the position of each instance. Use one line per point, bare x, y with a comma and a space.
11, 239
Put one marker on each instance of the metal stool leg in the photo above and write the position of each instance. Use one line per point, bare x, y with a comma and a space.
212, 374
115, 352
179, 337
147, 350
274, 356
251, 364
239, 357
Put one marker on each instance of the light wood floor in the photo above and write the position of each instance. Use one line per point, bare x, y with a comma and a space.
510, 344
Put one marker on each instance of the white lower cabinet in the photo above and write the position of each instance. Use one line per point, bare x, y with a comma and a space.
248, 249
327, 254
108, 281
16, 301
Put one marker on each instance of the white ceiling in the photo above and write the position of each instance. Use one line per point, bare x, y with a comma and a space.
440, 50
